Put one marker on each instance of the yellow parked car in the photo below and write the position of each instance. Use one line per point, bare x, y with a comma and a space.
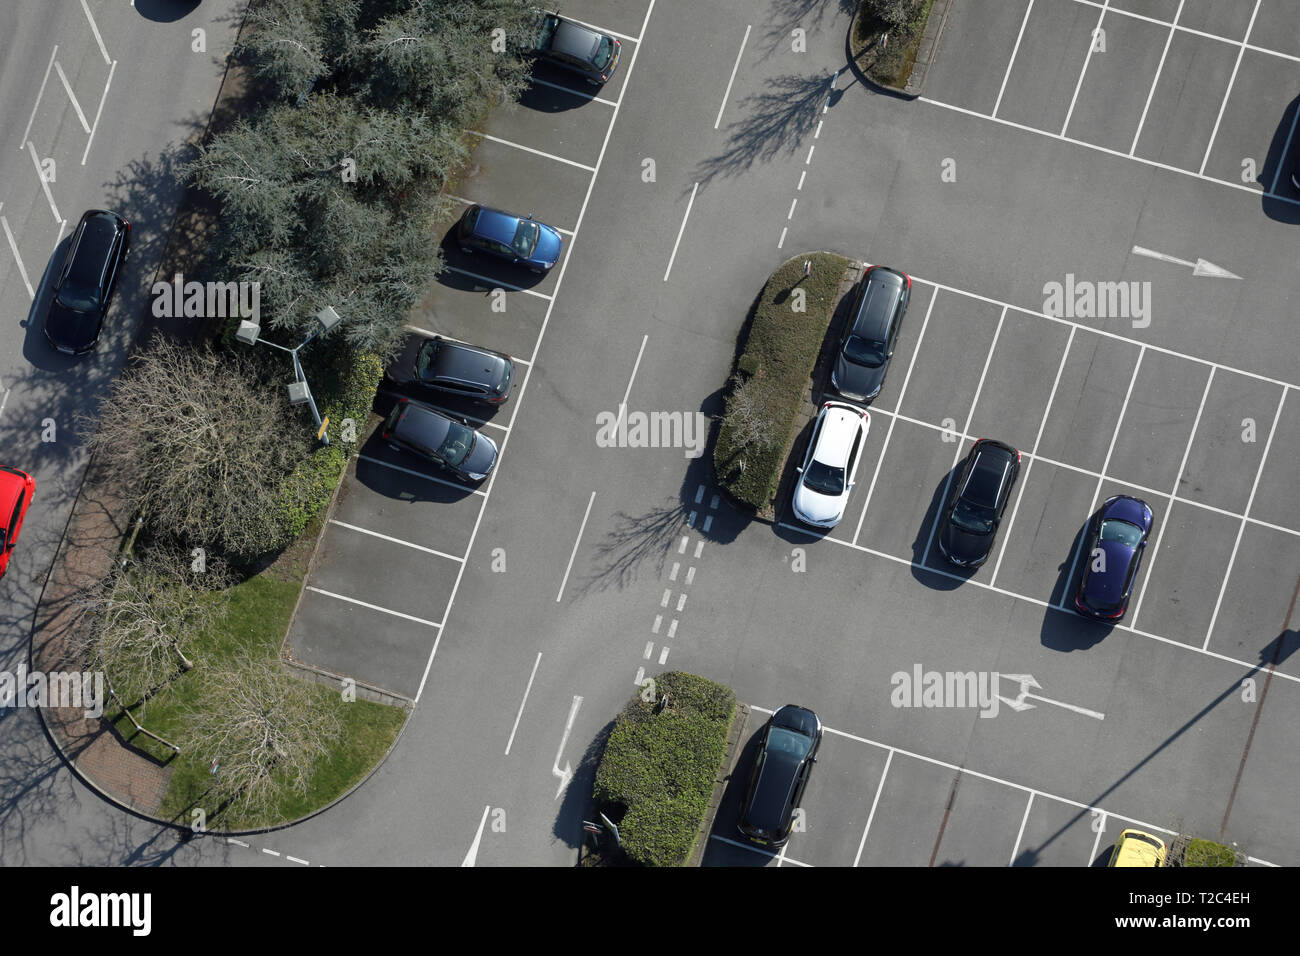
1135, 848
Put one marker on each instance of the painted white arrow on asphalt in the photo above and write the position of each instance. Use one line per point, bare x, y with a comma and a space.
1200, 267
472, 856
1026, 681
566, 774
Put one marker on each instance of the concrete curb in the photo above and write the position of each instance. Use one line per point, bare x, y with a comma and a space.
929, 47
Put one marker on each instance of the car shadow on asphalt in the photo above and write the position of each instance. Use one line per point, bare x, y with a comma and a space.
1062, 629
547, 99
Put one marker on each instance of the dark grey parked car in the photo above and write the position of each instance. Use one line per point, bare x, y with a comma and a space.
786, 755
871, 334
441, 439
84, 288
455, 368
969, 523
571, 46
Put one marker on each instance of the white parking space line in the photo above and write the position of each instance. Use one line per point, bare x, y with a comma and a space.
569, 89
99, 110
1107, 333
1092, 45
1244, 187
1012, 62
45, 186
1199, 33
574, 553
1156, 79
681, 229
22, 270
67, 87
451, 338
1110, 450
419, 474
374, 607
39, 93
95, 30
875, 802
496, 283
889, 433
535, 152
1015, 508
759, 850
1096, 840
1178, 477
1241, 51
405, 544
1029, 805
515, 728
1006, 592
727, 92
1259, 472
956, 456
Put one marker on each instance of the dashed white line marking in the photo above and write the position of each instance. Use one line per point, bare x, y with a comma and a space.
818, 131
663, 657
682, 547
681, 601
708, 523
672, 629
690, 574
374, 607
727, 92
294, 859
699, 494
527, 690
811, 147
668, 596
649, 649
802, 174
781, 242
640, 677
264, 849
659, 620
672, 575
690, 519
574, 553
699, 546
237, 842
714, 502
680, 230
793, 202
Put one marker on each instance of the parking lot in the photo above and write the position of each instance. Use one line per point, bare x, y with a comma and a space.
1194, 86
1094, 414
392, 555
870, 804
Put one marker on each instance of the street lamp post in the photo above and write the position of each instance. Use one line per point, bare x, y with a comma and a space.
299, 391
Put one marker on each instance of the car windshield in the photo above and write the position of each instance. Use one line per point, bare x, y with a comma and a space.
425, 358
78, 298
525, 240
972, 518
824, 478
604, 53
864, 352
1129, 535
785, 741
455, 447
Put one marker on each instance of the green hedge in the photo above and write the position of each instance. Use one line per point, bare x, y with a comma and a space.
344, 385
1207, 853
662, 767
782, 346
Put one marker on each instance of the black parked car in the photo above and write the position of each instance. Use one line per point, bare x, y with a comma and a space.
786, 755
1117, 536
84, 288
969, 524
869, 338
440, 439
571, 46
455, 368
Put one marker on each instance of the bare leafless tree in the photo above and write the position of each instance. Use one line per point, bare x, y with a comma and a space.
262, 728
746, 414
200, 447
140, 620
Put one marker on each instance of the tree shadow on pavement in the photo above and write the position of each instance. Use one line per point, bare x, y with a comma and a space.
787, 15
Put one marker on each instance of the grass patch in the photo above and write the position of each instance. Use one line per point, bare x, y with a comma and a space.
1208, 853
889, 64
258, 616
778, 353
662, 766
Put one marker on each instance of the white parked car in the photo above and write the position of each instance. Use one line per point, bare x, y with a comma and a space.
830, 465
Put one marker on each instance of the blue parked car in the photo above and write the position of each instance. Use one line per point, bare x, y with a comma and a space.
1113, 548
519, 240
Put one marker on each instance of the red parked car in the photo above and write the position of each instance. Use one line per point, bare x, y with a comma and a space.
16, 490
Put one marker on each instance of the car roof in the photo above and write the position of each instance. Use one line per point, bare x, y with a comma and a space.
1106, 588
879, 301
98, 229
773, 790
987, 473
575, 40
495, 224
466, 363
797, 718
835, 441
422, 426
1139, 849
